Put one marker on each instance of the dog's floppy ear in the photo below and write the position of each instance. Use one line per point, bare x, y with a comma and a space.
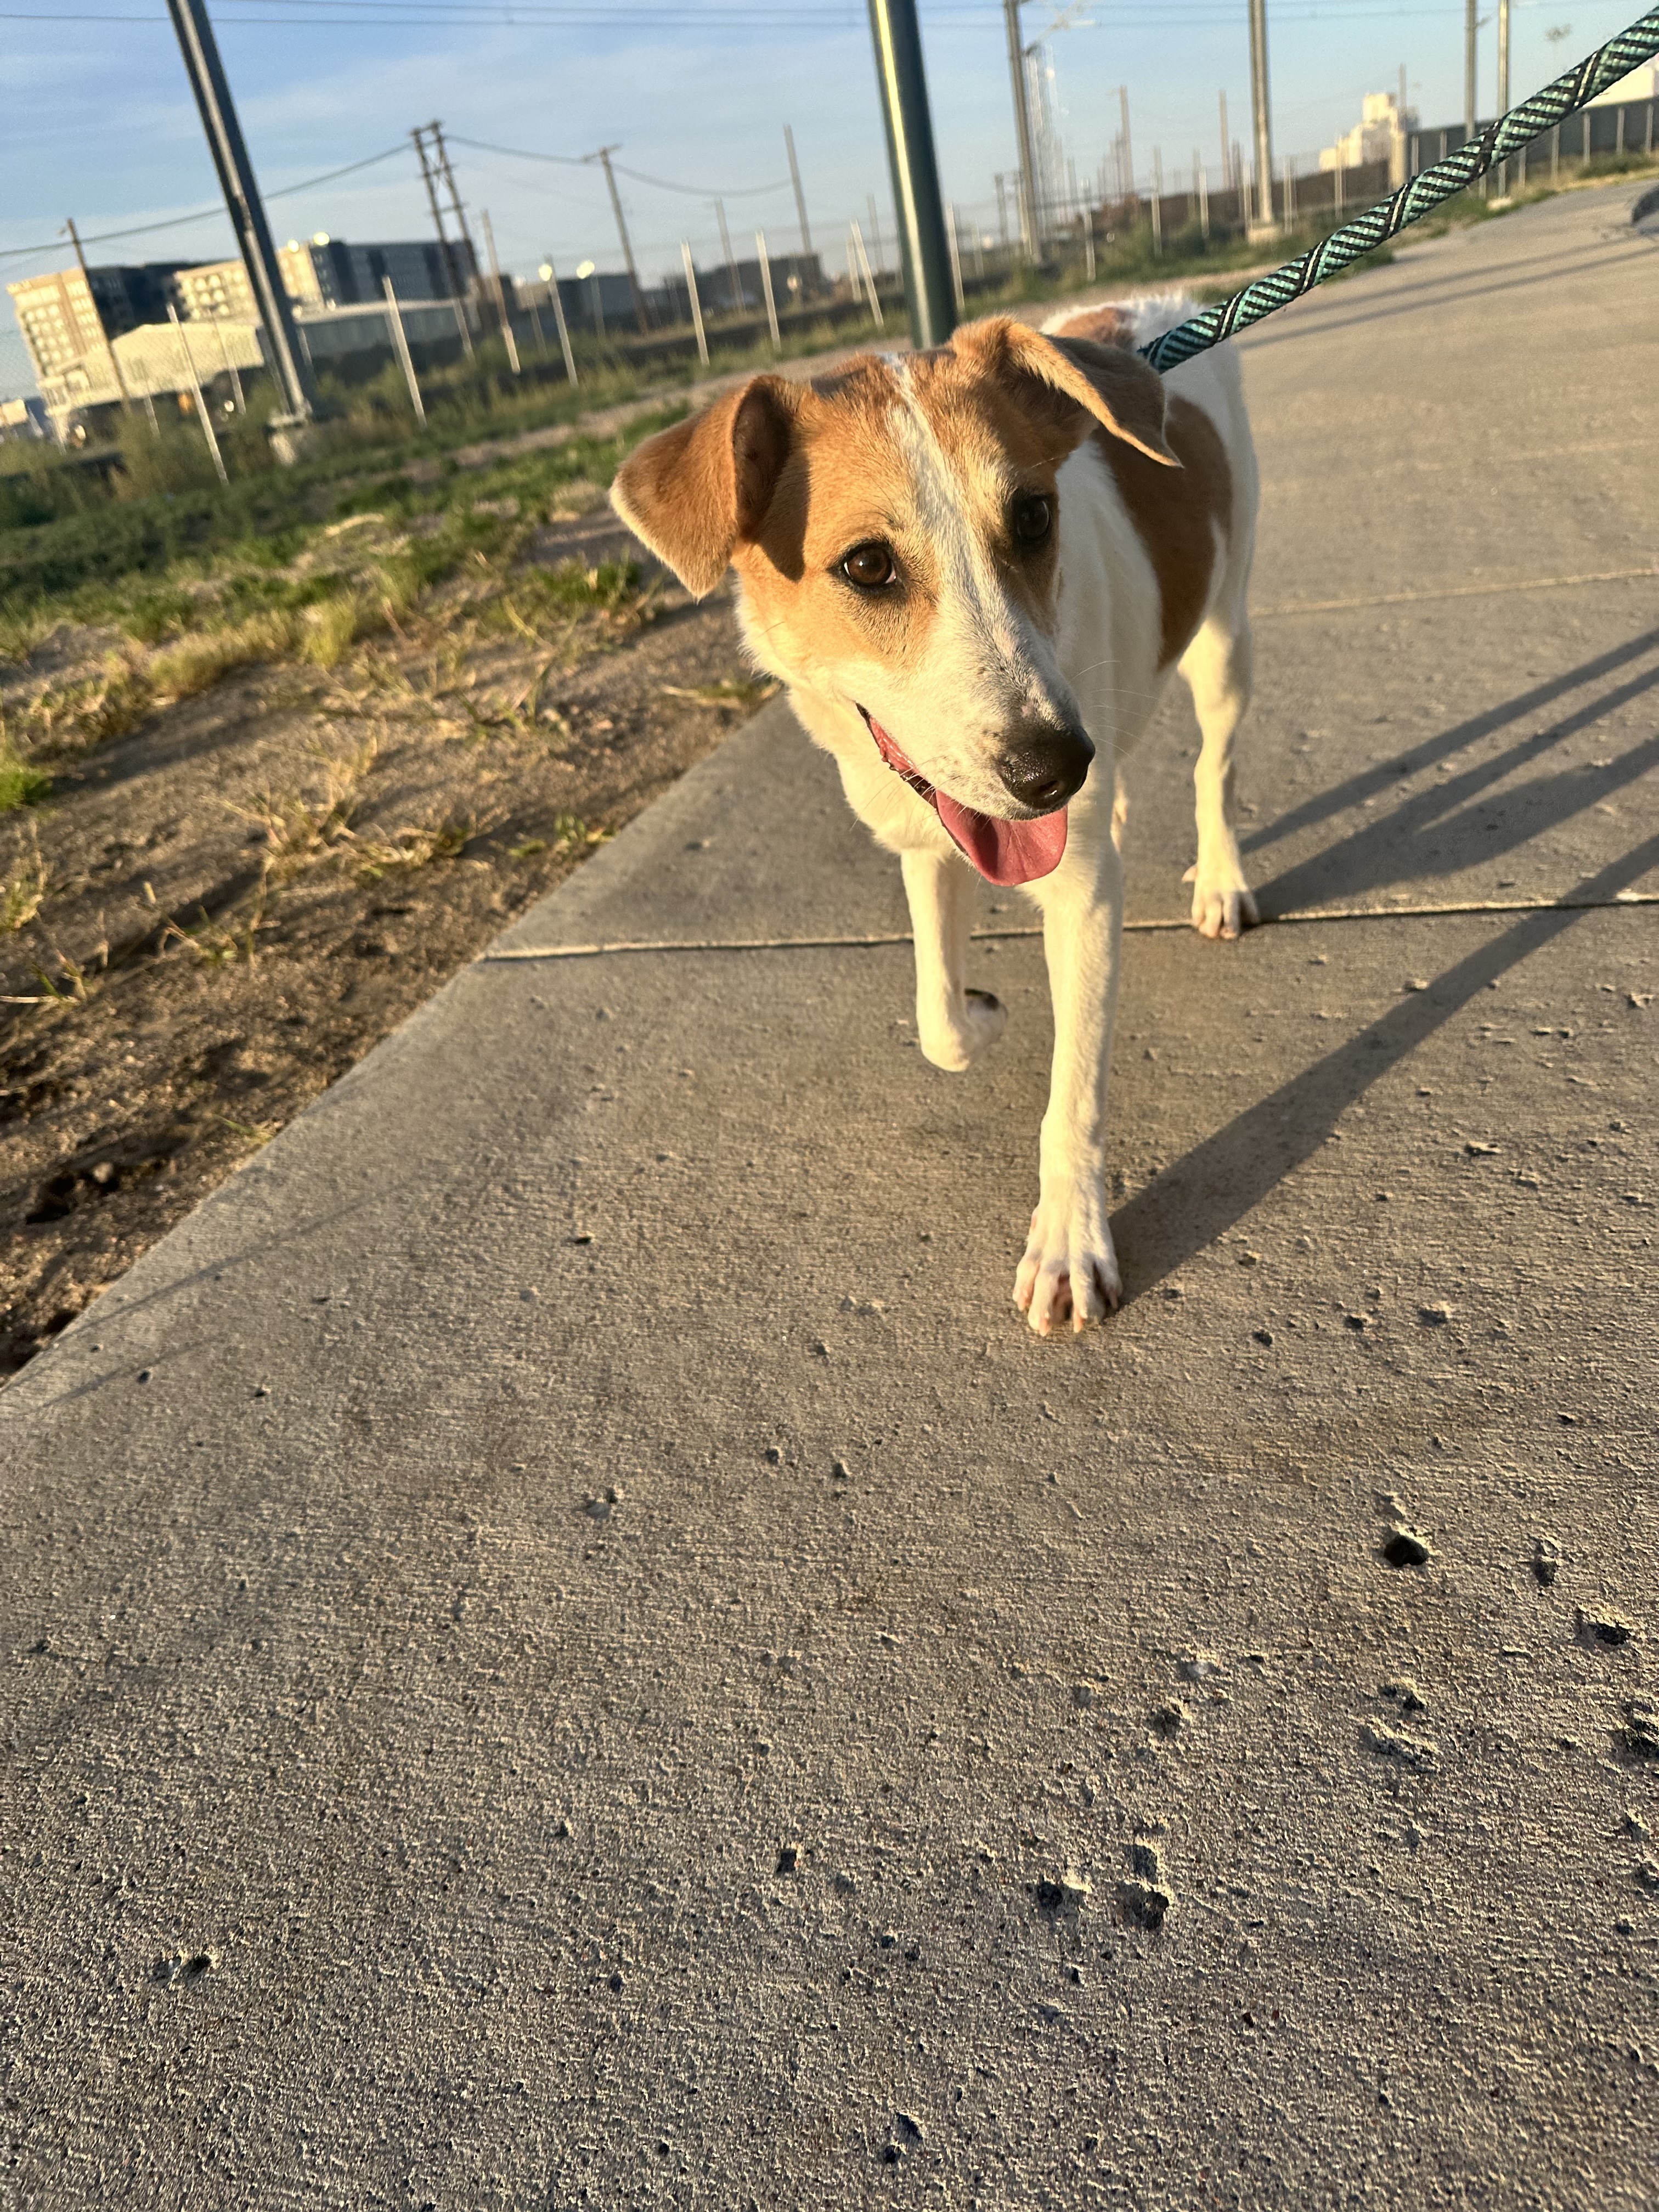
691, 493
1061, 375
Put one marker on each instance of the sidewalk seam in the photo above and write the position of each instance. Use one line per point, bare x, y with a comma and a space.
1445, 910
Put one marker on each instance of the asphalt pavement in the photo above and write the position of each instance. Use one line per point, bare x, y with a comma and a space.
565, 1645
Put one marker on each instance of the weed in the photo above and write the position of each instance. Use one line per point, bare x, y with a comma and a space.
412, 847
528, 850
23, 893
256, 1132
163, 611
299, 829
738, 694
205, 658
571, 834
22, 784
335, 625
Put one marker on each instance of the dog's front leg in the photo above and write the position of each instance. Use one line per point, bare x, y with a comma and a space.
953, 1023
1069, 1266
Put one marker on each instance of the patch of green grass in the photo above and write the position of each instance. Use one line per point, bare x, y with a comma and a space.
21, 783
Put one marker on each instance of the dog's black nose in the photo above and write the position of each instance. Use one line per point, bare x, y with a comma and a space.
1043, 768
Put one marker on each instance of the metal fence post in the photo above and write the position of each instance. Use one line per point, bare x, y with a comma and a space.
765, 260
400, 339
696, 304
201, 405
550, 277
860, 261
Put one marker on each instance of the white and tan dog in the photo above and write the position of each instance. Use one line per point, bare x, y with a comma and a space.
975, 570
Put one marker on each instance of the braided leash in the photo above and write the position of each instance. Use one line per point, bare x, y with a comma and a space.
1414, 200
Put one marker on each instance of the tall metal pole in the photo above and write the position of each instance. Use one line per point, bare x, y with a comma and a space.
109, 343
1503, 107
1225, 179
800, 196
1261, 112
602, 157
922, 245
1471, 25
1030, 227
247, 215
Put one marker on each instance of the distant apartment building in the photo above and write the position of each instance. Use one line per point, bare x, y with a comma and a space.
1379, 135
64, 316
325, 272
68, 321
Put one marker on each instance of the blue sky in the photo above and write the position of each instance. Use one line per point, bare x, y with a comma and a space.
100, 124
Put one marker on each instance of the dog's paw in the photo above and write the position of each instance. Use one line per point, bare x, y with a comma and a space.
955, 1042
1070, 1269
1222, 903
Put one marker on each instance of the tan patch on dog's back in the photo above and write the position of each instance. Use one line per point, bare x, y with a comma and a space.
1105, 325
1178, 513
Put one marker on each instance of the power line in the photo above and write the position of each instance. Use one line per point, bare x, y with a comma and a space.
662, 184
201, 215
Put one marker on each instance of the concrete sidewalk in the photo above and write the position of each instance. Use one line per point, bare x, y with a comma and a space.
565, 1645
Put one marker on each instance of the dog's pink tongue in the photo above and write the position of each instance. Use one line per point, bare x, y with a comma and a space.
1004, 851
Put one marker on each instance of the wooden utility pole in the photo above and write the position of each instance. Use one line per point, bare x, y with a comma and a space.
1128, 150
456, 209
452, 264
109, 343
731, 284
800, 196
602, 157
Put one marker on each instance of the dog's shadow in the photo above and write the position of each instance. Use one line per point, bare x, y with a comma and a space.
1200, 1196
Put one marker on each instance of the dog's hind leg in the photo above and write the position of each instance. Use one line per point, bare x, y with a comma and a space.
1217, 668
953, 1023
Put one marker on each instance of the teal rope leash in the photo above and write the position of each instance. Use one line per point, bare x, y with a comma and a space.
1413, 200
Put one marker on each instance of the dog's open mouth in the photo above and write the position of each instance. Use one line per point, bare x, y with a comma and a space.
1003, 852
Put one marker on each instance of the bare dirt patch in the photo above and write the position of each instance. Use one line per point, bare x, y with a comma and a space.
242, 876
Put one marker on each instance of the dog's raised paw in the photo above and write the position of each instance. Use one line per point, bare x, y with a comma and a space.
956, 1041
1222, 903
1070, 1270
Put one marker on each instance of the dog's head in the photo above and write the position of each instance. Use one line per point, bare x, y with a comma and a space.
894, 528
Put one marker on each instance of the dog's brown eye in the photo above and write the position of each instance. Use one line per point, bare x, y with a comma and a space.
1034, 518
869, 566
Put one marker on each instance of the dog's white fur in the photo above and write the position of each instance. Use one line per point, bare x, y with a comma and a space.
1101, 667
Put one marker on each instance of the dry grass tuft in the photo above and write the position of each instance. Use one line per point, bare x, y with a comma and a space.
413, 847
300, 828
23, 893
